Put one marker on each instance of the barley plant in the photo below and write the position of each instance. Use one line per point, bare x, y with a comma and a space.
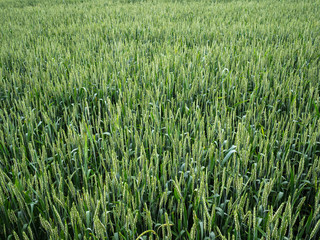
159, 119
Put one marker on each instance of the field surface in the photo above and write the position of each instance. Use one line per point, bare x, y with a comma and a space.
159, 119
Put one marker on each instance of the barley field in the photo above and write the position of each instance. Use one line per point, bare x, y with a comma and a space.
160, 119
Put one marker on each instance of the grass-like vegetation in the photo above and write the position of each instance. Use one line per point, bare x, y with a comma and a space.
159, 120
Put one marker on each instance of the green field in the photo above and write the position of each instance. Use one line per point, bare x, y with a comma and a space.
159, 119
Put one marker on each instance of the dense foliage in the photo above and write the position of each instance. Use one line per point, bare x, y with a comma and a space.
159, 120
